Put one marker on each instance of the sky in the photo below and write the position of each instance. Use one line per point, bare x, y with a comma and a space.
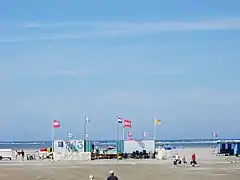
174, 60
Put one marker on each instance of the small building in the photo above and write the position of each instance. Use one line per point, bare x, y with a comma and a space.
142, 145
229, 147
72, 150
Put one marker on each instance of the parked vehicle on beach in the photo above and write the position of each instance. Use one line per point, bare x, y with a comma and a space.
6, 154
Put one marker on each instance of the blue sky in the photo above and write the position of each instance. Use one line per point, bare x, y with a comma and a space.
176, 60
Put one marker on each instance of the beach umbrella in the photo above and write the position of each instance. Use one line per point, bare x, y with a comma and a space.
110, 147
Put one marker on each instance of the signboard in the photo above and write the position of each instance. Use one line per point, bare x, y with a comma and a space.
69, 146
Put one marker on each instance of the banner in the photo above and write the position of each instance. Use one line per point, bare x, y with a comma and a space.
56, 124
127, 123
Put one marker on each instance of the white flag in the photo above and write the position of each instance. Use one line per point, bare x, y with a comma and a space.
86, 119
145, 134
70, 135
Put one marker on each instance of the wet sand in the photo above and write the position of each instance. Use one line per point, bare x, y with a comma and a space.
210, 167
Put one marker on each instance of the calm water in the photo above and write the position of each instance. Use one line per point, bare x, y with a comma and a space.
103, 144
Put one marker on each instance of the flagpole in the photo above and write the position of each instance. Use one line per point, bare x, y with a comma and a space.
117, 144
117, 131
212, 139
154, 130
68, 136
52, 136
85, 127
123, 135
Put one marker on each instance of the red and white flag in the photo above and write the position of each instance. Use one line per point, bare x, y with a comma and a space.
127, 123
56, 124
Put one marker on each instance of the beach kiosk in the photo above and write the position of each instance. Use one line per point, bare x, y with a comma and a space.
228, 147
72, 150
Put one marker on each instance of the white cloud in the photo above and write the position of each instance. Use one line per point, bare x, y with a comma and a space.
124, 98
123, 26
168, 99
43, 37
105, 29
38, 69
66, 100
28, 70
208, 96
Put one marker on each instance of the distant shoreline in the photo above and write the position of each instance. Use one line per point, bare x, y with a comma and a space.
161, 140
102, 144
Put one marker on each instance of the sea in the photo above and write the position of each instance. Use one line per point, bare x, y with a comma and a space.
187, 143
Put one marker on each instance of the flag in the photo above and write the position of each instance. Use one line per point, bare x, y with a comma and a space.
87, 119
85, 126
56, 124
127, 123
158, 121
129, 136
145, 134
215, 134
119, 119
70, 135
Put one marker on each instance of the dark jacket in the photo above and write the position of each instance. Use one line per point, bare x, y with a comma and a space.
112, 177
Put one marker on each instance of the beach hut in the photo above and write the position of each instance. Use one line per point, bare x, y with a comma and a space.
229, 147
141, 145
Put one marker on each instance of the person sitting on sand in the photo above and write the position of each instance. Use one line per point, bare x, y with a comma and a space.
177, 158
91, 177
112, 176
184, 160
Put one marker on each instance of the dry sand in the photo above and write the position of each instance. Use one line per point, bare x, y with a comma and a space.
210, 167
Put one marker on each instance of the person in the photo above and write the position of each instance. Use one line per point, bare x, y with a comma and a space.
177, 157
91, 177
112, 176
16, 154
184, 160
193, 162
177, 160
23, 155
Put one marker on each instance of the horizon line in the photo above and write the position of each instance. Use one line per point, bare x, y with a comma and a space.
210, 139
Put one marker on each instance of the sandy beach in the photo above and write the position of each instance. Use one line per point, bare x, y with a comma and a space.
210, 167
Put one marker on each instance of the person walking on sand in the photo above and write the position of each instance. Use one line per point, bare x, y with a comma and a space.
23, 155
16, 154
193, 162
112, 176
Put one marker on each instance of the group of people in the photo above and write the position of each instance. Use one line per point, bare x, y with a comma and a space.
110, 177
177, 160
19, 153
